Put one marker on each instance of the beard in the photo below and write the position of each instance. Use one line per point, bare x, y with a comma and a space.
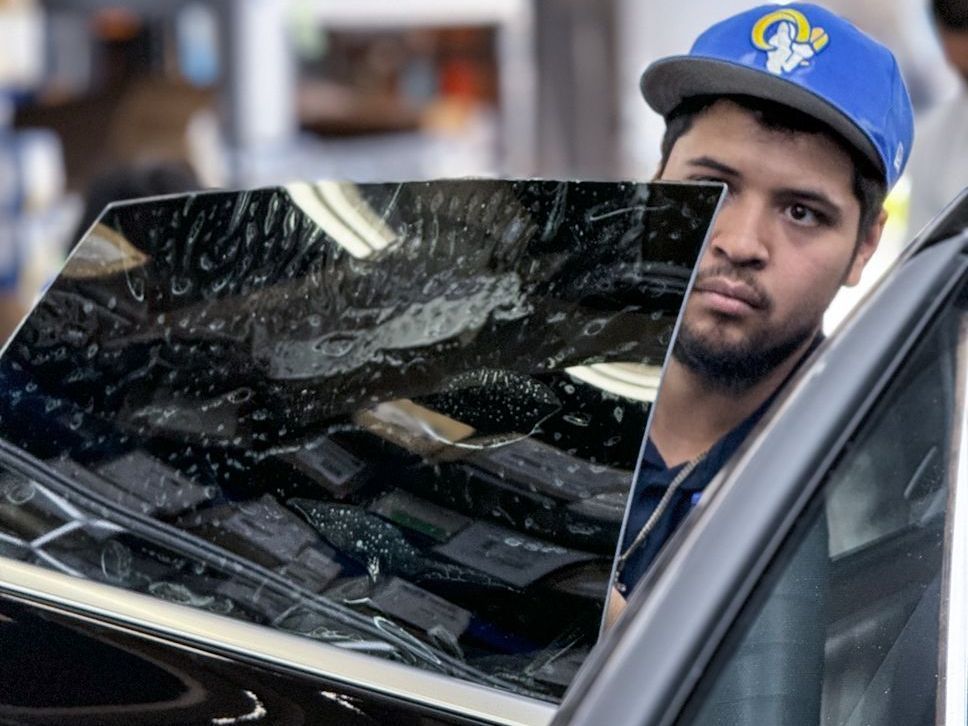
734, 368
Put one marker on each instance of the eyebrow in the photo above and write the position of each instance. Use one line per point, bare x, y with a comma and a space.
710, 163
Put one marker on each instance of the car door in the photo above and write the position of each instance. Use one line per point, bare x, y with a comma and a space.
377, 437
83, 653
823, 579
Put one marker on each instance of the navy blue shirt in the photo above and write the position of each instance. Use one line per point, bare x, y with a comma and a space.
653, 480
655, 477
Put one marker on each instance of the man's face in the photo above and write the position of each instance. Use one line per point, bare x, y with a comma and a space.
783, 243
955, 45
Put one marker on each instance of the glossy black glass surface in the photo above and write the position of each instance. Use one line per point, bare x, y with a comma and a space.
397, 418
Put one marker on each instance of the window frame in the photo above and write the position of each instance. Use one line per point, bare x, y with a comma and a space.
954, 641
688, 602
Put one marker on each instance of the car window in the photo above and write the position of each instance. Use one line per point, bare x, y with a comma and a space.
401, 419
844, 628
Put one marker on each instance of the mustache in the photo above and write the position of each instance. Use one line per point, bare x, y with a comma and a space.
741, 275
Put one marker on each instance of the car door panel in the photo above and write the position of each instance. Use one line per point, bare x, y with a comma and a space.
62, 669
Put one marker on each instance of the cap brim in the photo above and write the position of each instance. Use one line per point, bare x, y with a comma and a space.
667, 82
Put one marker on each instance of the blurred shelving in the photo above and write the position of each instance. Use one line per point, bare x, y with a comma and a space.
512, 24
382, 90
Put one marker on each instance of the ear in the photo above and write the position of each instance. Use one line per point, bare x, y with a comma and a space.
865, 250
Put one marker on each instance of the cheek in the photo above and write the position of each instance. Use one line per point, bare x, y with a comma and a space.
806, 284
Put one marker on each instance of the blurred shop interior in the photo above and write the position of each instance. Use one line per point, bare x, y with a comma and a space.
103, 100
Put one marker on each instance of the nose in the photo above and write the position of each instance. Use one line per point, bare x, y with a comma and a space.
741, 232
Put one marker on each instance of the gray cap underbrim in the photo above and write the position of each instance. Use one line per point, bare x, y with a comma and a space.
667, 82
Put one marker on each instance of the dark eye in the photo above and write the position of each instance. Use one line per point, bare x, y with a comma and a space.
802, 215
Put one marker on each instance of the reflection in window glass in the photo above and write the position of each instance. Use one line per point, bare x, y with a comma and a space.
845, 627
388, 417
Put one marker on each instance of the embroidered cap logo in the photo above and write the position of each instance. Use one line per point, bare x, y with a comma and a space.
792, 42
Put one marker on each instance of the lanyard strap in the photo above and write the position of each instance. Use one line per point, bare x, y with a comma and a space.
660, 508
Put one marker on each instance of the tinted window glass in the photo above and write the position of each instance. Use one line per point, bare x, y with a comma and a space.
113, 677
398, 418
845, 627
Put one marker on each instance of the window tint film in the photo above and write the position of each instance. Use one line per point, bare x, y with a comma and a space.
396, 418
60, 669
845, 627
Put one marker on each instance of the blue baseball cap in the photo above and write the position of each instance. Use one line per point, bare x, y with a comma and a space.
806, 57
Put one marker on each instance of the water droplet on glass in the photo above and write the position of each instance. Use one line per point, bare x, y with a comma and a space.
239, 395
20, 492
334, 346
116, 561
136, 285
180, 285
172, 592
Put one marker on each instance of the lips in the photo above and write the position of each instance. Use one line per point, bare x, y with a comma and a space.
730, 296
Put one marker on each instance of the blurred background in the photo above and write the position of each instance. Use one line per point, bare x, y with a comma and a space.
103, 100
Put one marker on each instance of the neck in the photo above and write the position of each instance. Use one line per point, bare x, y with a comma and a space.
691, 414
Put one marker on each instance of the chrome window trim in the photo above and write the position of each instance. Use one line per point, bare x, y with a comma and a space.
955, 607
198, 628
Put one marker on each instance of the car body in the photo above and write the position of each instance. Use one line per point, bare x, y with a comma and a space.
360, 454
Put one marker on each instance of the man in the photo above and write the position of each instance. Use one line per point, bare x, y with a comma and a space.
938, 170
807, 122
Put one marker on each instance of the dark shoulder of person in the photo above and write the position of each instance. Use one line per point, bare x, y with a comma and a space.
132, 181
